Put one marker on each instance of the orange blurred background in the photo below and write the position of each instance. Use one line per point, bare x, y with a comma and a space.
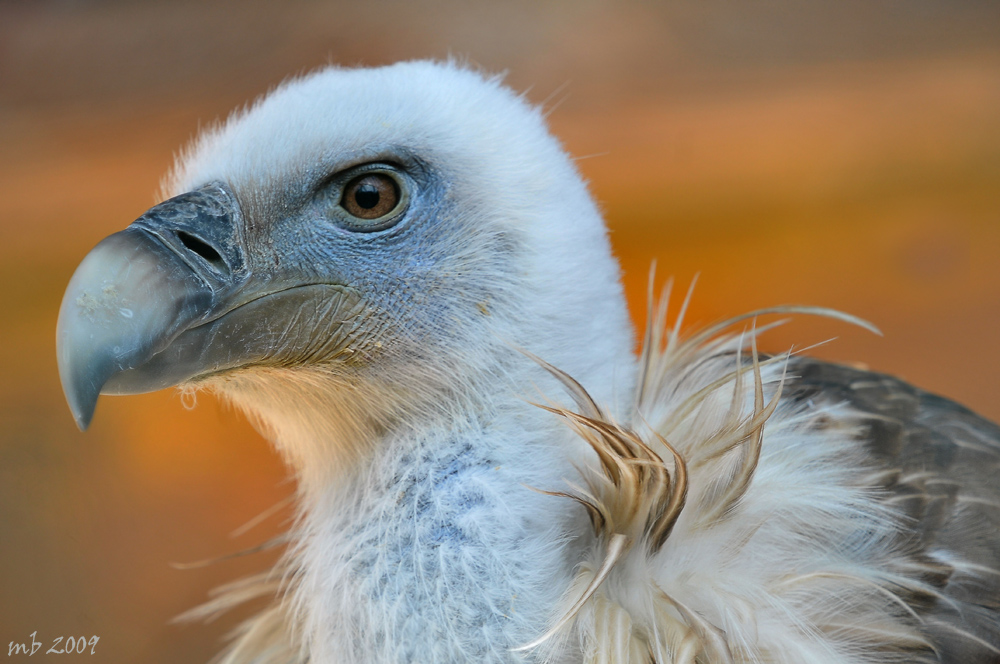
839, 153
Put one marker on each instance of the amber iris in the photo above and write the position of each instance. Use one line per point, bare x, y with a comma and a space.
370, 196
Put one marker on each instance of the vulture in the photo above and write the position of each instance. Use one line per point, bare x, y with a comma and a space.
399, 275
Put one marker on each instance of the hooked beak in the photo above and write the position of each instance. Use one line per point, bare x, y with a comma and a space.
171, 299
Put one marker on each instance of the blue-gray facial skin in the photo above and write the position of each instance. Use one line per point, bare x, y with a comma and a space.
211, 280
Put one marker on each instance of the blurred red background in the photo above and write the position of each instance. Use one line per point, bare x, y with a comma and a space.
838, 153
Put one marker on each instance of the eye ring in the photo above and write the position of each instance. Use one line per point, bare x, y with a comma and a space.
373, 199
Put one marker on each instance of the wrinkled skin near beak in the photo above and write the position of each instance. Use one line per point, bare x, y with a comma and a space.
173, 298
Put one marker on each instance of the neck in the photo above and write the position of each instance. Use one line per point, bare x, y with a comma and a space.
438, 550
420, 536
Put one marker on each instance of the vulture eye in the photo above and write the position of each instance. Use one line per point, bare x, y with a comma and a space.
370, 197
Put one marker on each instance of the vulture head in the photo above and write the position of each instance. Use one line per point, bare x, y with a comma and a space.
360, 252
392, 271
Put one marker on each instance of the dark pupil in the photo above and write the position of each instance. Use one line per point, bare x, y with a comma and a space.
366, 196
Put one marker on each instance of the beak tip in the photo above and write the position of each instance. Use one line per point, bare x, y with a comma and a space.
82, 403
82, 414
82, 422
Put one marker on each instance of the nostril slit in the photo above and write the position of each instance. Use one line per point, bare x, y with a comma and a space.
201, 248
